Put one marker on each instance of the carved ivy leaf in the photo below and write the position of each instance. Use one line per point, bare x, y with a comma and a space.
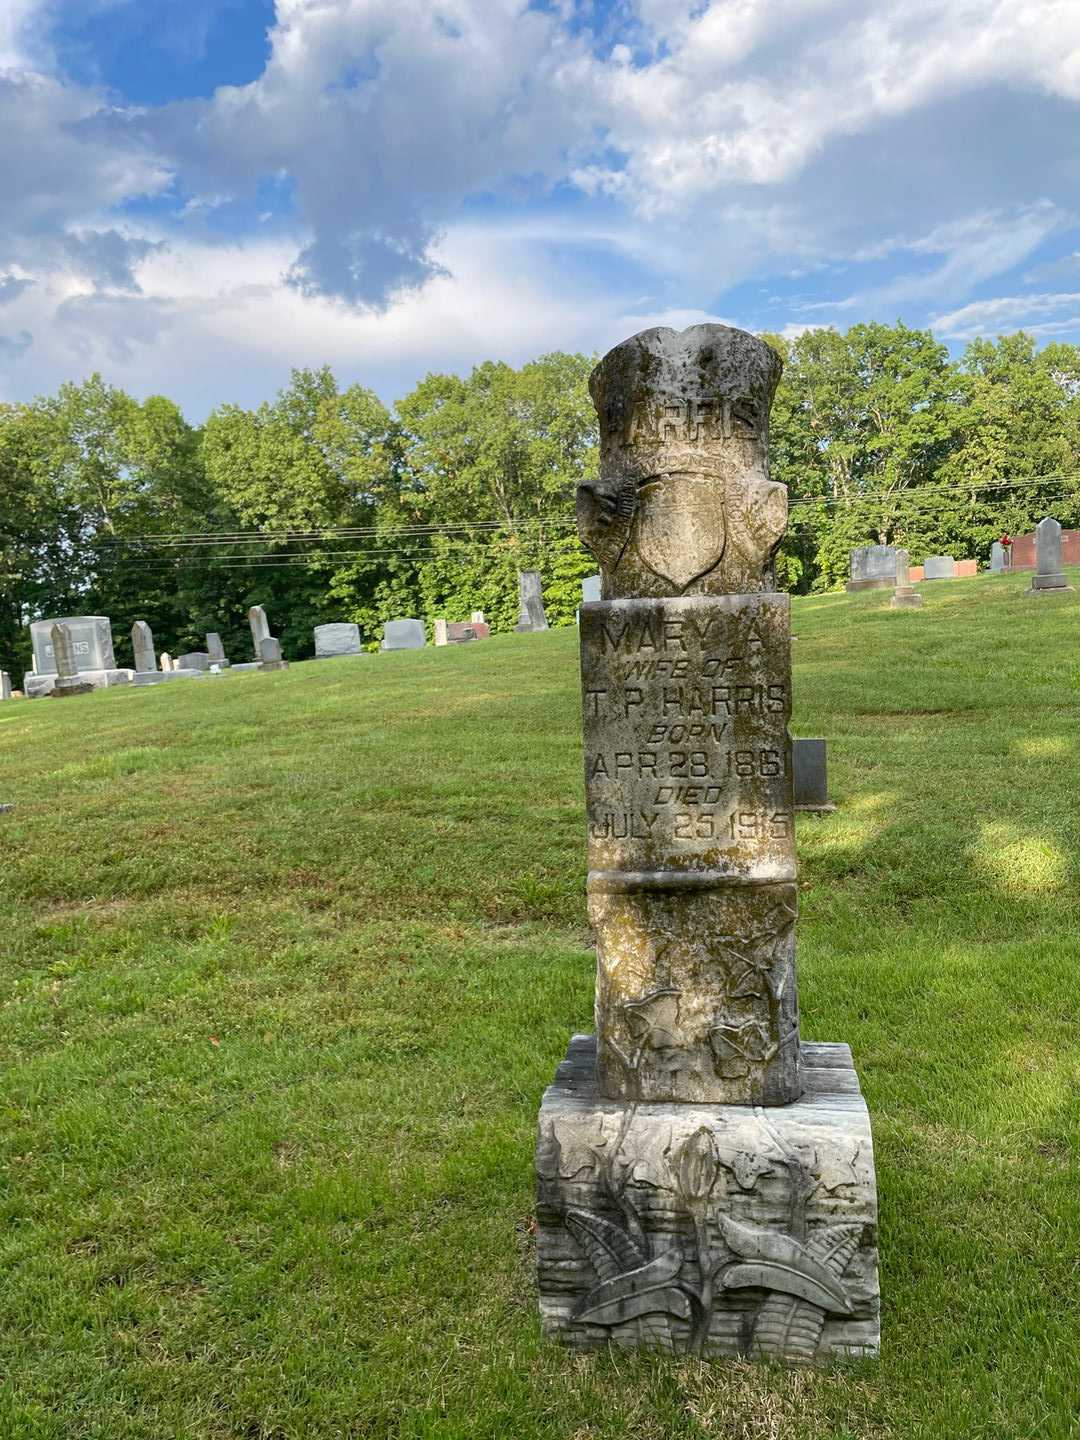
778, 1262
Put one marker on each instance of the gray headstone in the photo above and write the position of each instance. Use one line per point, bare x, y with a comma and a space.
337, 639
194, 660
1049, 575
690, 1115
872, 567
590, 588
5, 685
810, 766
260, 627
997, 558
404, 635
142, 644
904, 597
216, 650
68, 680
91, 640
270, 654
939, 567
531, 595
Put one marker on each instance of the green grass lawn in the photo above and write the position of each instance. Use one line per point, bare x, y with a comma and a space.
289, 959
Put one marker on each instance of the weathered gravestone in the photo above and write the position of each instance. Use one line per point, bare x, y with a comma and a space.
531, 595
1049, 576
477, 617
5, 685
260, 628
166, 661
590, 589
904, 597
997, 558
91, 651
872, 567
939, 567
68, 679
216, 650
337, 639
705, 1183
270, 654
403, 635
193, 660
142, 645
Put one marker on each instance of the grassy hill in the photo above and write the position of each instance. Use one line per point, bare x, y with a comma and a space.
289, 959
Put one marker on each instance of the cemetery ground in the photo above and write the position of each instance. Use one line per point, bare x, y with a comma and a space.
290, 958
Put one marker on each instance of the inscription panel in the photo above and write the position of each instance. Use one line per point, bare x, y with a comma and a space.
687, 754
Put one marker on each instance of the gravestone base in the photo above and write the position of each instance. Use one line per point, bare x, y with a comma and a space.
1049, 585
885, 583
245, 667
36, 686
155, 677
906, 599
65, 688
270, 665
720, 1230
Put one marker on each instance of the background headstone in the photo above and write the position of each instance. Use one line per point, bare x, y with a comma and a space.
142, 645
477, 617
872, 567
1049, 575
194, 660
260, 628
590, 588
904, 597
997, 558
939, 567
440, 632
270, 654
403, 635
68, 681
531, 595
809, 763
166, 660
5, 685
91, 639
216, 650
337, 639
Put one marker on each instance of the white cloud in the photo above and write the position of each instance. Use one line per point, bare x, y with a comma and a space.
1042, 315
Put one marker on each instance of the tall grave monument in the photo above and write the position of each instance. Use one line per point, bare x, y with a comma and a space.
705, 1181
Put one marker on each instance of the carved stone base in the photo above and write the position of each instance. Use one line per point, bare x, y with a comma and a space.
721, 1230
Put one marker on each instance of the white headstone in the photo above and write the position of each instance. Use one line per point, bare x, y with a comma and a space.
531, 595
260, 628
5, 685
939, 567
590, 589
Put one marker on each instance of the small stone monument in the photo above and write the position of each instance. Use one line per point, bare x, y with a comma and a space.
337, 639
270, 654
5, 685
477, 617
216, 650
705, 1181
1049, 578
810, 772
997, 558
403, 635
531, 596
193, 660
68, 680
590, 589
904, 596
142, 645
260, 628
166, 661
939, 567
872, 567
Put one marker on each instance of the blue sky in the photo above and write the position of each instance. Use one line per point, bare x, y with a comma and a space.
200, 194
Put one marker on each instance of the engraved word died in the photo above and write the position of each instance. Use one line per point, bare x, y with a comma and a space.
684, 504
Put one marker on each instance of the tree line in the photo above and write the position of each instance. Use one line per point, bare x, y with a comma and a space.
325, 504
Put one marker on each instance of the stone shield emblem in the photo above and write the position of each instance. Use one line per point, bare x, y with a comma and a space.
680, 531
